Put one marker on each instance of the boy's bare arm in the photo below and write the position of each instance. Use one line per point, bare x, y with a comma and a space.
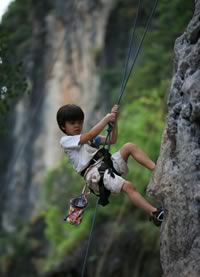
96, 130
114, 134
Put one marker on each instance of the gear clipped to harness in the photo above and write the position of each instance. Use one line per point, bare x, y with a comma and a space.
76, 208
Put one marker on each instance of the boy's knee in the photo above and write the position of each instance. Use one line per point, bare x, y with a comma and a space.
128, 186
130, 146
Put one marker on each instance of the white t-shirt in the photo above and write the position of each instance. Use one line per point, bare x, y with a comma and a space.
79, 154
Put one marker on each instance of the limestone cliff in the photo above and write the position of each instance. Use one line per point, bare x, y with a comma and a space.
66, 37
176, 181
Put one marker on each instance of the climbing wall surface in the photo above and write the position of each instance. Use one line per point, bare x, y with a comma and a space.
176, 181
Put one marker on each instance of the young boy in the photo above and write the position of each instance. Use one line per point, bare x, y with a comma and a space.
81, 148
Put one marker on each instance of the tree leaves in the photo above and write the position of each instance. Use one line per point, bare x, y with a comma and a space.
13, 83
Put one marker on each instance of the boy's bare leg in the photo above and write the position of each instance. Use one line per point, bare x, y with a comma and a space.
137, 198
130, 149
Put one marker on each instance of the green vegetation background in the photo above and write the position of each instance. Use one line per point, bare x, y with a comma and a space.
141, 121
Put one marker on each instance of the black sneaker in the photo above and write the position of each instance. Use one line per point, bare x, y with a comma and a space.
157, 216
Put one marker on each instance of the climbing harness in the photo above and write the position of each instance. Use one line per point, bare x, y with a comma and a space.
104, 156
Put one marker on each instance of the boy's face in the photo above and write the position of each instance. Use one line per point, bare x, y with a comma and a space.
73, 127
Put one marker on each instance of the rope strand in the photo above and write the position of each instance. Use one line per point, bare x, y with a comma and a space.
130, 47
138, 50
89, 239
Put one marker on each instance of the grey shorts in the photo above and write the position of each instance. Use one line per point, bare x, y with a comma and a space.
114, 184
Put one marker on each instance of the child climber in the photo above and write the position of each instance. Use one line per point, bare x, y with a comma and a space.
82, 148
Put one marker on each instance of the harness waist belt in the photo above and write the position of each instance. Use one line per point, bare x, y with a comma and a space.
106, 164
96, 157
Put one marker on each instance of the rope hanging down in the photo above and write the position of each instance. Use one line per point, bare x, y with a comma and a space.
89, 239
121, 93
125, 80
110, 125
129, 51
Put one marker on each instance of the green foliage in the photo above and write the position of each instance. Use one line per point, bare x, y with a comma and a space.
155, 61
110, 80
13, 45
60, 185
62, 236
15, 247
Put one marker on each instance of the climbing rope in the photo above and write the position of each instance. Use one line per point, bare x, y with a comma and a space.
125, 80
89, 239
129, 51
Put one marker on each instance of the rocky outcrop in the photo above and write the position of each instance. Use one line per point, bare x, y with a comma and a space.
176, 181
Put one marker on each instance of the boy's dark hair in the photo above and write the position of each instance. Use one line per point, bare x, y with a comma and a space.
69, 112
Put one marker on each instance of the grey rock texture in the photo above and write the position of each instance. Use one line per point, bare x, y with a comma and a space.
176, 180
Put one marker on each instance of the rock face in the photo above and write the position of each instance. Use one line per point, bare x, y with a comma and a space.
176, 181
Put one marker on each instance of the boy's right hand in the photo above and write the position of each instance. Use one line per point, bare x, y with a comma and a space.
110, 117
115, 109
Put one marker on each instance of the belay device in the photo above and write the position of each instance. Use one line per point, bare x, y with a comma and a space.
76, 208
